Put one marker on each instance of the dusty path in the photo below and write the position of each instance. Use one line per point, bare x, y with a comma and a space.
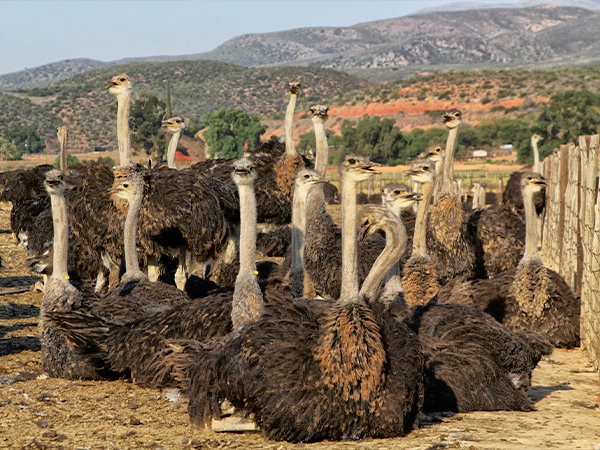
37, 412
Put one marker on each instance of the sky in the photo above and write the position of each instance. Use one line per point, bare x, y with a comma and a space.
34, 33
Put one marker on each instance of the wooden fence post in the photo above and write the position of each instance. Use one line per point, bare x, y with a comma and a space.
570, 210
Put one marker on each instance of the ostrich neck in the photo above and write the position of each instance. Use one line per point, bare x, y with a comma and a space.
322, 148
536, 157
449, 160
290, 148
173, 149
437, 187
419, 240
132, 267
298, 231
63, 154
349, 288
61, 235
247, 229
531, 251
395, 244
123, 129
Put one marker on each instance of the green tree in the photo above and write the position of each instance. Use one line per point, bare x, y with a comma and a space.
71, 161
145, 119
373, 136
8, 150
25, 137
230, 131
569, 114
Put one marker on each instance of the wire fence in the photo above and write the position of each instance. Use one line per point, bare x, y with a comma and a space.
571, 230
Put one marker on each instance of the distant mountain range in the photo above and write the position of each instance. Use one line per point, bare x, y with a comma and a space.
537, 36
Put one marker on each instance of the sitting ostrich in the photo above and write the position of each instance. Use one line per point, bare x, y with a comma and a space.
450, 246
365, 375
471, 361
529, 297
59, 358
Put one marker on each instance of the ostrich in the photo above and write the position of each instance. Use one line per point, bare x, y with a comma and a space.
175, 125
471, 361
450, 247
529, 297
365, 378
436, 153
537, 167
59, 358
420, 278
120, 86
63, 133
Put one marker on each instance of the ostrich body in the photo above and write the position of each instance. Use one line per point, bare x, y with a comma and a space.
529, 297
175, 125
59, 358
450, 247
364, 380
420, 278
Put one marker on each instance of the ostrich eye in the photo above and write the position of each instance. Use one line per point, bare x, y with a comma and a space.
121, 79
425, 168
306, 177
125, 185
397, 192
529, 178
351, 161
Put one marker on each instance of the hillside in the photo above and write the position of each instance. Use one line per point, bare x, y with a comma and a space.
197, 88
534, 37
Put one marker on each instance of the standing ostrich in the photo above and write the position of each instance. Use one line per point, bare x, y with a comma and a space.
120, 86
537, 167
364, 381
529, 297
451, 249
435, 153
471, 361
59, 358
175, 125
420, 278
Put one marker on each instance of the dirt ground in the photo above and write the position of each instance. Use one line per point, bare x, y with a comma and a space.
37, 412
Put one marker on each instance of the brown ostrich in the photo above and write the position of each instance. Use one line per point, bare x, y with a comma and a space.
450, 246
175, 125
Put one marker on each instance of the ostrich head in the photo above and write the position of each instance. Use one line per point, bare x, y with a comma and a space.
400, 197
62, 133
532, 182
129, 188
436, 152
423, 172
358, 168
119, 85
174, 124
294, 87
244, 171
536, 138
374, 218
54, 182
319, 112
306, 179
452, 118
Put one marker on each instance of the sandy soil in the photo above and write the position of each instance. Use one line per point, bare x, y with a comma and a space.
37, 412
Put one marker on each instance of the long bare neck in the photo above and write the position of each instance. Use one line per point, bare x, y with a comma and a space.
419, 239
290, 148
531, 251
61, 235
247, 229
172, 150
395, 244
437, 188
447, 187
123, 138
321, 146
349, 288
298, 232
132, 266
63, 153
536, 156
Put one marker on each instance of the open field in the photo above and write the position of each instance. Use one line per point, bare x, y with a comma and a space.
37, 412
